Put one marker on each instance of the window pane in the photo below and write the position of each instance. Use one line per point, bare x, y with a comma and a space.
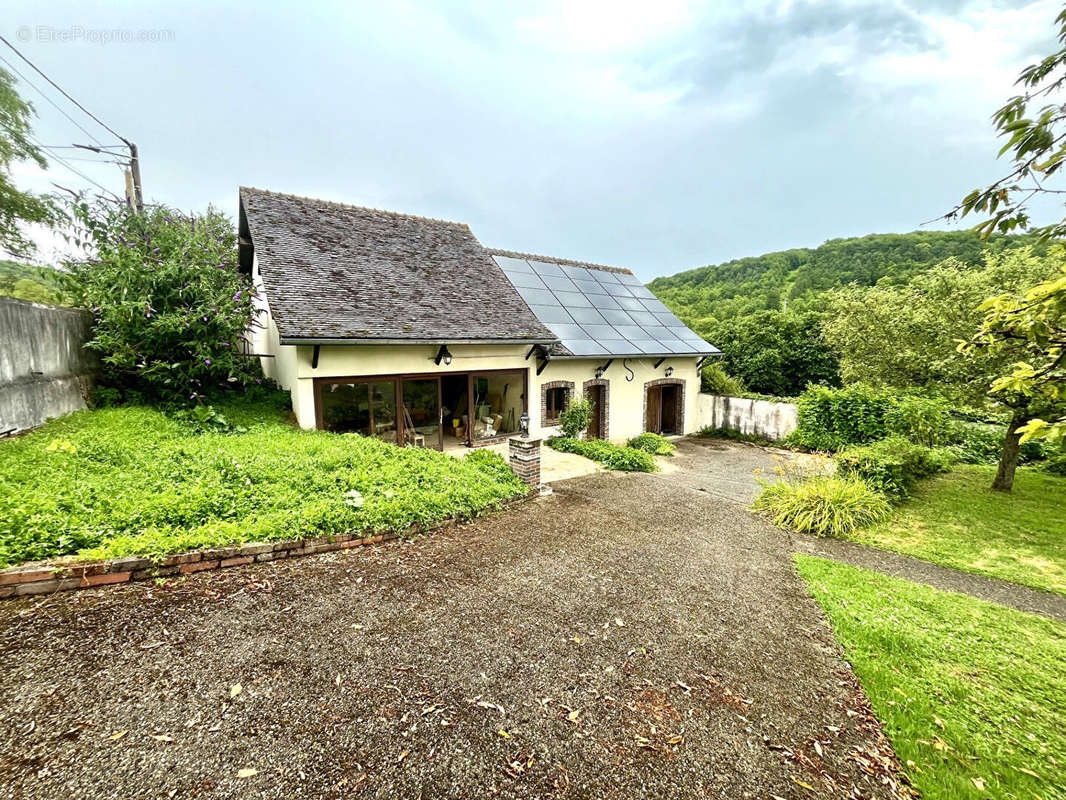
421, 414
368, 409
498, 404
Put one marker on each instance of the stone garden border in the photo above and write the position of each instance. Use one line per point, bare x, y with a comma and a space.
49, 577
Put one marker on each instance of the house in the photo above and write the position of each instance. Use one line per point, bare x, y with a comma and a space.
410, 330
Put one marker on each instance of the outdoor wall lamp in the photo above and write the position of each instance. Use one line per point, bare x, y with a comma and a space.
443, 355
599, 372
669, 371
523, 424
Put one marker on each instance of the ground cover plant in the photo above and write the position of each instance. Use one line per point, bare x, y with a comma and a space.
970, 692
612, 456
958, 521
653, 443
134, 481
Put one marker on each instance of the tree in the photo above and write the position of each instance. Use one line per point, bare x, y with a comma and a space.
774, 352
1036, 142
1035, 325
170, 306
16, 145
906, 337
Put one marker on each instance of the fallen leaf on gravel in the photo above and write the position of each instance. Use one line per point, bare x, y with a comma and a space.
234, 690
618, 622
496, 706
801, 783
576, 639
817, 747
247, 772
403, 755
573, 715
215, 728
114, 737
162, 738
504, 734
685, 687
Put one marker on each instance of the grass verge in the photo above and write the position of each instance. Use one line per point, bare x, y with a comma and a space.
133, 481
970, 693
956, 520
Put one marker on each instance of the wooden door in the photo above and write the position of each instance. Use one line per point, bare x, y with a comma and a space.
653, 417
668, 410
595, 397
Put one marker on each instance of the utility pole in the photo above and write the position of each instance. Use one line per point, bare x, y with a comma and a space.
135, 168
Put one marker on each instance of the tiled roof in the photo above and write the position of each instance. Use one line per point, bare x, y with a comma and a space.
340, 272
598, 311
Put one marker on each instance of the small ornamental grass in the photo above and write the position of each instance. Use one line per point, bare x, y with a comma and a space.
134, 481
653, 443
612, 456
823, 505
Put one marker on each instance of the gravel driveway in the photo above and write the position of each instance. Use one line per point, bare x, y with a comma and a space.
629, 636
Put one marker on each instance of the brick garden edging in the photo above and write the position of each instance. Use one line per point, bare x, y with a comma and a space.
45, 578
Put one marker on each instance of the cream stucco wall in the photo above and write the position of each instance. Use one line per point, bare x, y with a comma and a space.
290, 366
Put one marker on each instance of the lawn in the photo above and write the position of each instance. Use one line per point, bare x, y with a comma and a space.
957, 521
134, 481
972, 695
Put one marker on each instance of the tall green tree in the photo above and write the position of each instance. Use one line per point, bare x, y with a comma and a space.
906, 337
1034, 126
17, 207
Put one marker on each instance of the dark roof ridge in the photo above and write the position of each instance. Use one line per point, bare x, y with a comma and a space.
352, 207
553, 260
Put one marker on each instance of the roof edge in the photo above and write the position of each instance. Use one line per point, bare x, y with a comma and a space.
496, 251
349, 206
297, 340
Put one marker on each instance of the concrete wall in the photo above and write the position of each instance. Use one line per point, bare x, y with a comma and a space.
44, 371
753, 417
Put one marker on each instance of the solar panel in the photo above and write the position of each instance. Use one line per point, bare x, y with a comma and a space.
550, 314
526, 279
629, 303
584, 347
574, 300
615, 316
513, 264
587, 316
537, 297
560, 282
596, 312
544, 268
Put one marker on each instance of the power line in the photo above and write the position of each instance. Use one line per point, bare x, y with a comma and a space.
135, 164
73, 169
50, 100
62, 91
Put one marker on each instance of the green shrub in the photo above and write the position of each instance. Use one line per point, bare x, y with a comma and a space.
1056, 465
134, 481
822, 506
576, 418
893, 465
831, 419
624, 459
170, 306
653, 443
716, 380
495, 466
976, 443
208, 418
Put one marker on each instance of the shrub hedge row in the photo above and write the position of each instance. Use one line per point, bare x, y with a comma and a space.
892, 466
612, 456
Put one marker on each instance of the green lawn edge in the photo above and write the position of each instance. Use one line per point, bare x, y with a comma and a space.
972, 695
956, 520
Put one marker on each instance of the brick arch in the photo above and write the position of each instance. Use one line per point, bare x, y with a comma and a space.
605, 408
544, 387
680, 401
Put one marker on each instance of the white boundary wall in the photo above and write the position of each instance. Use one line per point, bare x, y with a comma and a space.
762, 418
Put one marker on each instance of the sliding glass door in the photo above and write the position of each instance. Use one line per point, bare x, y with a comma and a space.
364, 407
421, 413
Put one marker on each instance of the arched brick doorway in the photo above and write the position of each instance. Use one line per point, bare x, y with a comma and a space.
598, 393
664, 406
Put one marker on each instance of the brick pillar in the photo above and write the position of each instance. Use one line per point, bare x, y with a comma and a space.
525, 459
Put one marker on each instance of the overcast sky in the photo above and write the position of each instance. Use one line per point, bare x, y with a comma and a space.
655, 135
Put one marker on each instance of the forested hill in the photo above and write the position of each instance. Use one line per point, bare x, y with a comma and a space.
792, 278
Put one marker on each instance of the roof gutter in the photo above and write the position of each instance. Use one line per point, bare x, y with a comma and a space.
347, 341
